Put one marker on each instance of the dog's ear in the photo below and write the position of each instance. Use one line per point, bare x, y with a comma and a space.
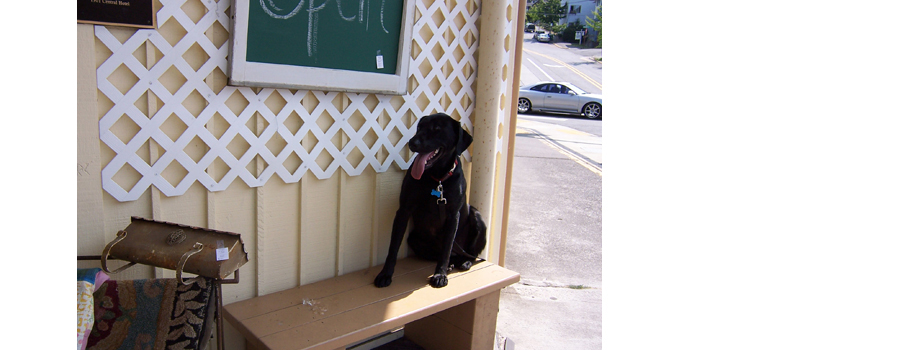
465, 139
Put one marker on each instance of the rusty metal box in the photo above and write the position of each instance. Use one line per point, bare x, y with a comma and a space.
204, 252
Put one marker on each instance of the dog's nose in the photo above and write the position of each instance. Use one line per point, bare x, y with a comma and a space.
414, 142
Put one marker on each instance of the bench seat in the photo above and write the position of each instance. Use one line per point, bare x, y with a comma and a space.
344, 310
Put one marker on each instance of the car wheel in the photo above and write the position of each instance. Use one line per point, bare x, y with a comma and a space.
523, 105
591, 110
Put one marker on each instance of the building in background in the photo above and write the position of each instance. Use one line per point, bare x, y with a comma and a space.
580, 11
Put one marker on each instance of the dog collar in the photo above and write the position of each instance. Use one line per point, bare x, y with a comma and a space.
449, 173
439, 192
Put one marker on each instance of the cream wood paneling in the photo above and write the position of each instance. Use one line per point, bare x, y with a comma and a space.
89, 162
278, 236
357, 200
388, 188
320, 223
235, 211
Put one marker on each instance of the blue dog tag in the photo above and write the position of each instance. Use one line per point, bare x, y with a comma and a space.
436, 193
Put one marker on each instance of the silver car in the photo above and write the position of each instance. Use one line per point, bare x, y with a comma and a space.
558, 97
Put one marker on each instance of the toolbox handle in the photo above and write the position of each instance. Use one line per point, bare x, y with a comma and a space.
105, 253
195, 249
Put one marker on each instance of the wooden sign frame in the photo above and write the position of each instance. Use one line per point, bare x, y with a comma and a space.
117, 13
258, 74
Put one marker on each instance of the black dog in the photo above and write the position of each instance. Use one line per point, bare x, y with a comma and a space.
433, 194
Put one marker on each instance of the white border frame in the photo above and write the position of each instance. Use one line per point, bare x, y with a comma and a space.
270, 75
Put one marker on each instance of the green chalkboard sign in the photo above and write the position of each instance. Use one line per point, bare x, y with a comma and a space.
331, 45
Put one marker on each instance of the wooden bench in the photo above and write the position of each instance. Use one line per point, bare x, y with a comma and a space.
342, 311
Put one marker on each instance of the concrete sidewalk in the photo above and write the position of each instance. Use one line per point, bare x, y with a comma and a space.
554, 242
587, 53
585, 146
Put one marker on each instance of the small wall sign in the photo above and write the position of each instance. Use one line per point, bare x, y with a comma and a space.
129, 13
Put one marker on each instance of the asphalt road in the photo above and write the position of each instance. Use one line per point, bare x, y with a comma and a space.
554, 231
561, 62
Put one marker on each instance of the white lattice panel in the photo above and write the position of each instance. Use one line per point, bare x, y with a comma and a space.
312, 131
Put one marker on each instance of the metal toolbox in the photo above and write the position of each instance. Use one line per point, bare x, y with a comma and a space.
204, 252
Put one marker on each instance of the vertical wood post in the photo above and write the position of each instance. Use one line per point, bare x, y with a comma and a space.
488, 107
512, 127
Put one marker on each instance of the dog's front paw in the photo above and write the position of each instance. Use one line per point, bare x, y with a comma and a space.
438, 280
383, 280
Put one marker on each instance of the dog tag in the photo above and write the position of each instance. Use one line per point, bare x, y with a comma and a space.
436, 193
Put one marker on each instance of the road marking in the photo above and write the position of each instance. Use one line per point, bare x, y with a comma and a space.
578, 158
540, 69
579, 73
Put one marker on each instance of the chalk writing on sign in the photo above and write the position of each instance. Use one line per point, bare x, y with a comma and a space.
313, 9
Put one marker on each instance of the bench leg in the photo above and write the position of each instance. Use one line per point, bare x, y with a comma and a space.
468, 326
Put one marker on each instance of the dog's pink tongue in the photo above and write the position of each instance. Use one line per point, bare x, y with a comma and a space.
418, 167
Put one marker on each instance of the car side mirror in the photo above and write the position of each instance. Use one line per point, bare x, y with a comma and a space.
571, 92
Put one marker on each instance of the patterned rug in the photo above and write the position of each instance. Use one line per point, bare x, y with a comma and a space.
152, 314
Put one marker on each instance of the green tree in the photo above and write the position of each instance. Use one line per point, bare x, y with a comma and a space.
558, 28
530, 16
547, 12
595, 23
568, 33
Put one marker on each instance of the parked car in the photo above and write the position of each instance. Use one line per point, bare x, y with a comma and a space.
530, 28
558, 97
542, 37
